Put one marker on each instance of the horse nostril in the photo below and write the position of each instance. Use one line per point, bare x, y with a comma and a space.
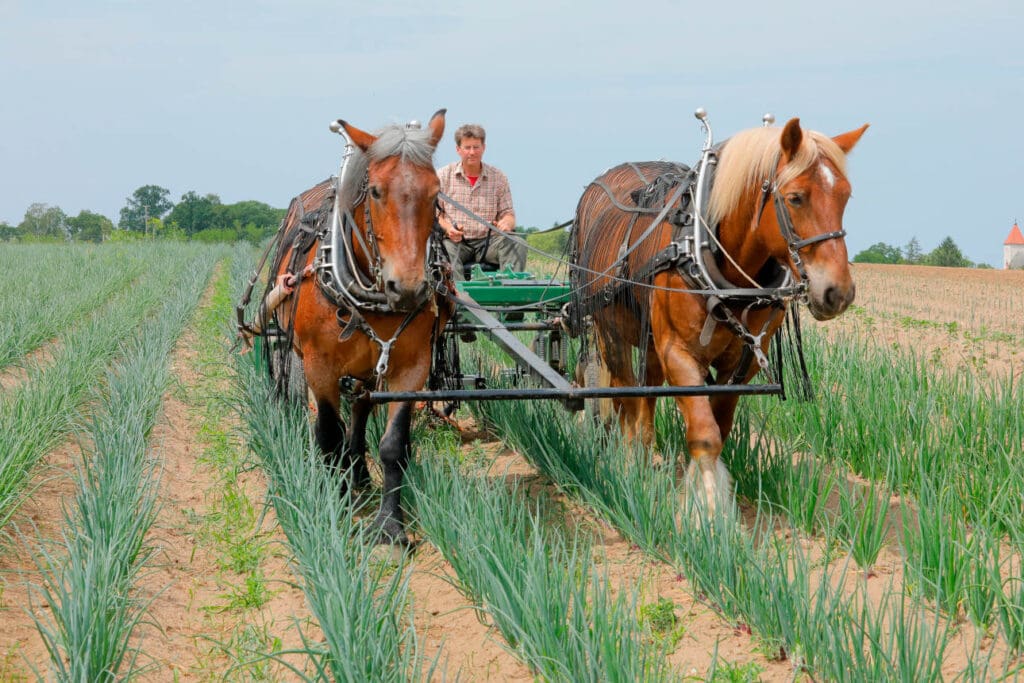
831, 298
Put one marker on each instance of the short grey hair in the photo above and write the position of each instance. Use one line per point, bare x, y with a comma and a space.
470, 130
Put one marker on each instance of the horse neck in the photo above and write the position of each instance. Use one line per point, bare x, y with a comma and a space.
742, 240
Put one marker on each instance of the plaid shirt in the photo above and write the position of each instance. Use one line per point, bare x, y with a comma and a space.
490, 198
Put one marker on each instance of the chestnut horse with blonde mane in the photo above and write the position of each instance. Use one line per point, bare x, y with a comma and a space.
653, 324
374, 325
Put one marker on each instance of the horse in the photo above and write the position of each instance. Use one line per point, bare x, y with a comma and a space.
362, 299
662, 311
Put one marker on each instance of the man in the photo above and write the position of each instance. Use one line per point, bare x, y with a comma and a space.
484, 190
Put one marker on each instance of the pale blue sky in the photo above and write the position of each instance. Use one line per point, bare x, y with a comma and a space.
99, 98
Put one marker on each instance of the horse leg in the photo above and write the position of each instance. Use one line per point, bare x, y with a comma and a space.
394, 456
617, 371
329, 432
654, 376
703, 435
353, 458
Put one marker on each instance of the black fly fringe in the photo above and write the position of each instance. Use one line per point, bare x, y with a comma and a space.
789, 349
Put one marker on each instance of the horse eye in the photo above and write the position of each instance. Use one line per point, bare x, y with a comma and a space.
374, 191
795, 200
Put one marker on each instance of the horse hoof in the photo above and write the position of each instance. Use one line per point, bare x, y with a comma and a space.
389, 553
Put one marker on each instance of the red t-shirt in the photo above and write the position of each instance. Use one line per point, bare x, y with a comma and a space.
472, 179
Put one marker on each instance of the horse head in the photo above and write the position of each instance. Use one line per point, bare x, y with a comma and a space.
806, 228
397, 212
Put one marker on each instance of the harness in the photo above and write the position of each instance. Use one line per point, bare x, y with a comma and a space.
693, 252
341, 278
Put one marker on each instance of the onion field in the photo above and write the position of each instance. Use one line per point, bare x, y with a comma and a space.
164, 518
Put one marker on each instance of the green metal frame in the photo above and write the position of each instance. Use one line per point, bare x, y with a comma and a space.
510, 288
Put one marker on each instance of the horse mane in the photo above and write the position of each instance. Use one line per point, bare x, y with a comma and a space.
411, 145
750, 156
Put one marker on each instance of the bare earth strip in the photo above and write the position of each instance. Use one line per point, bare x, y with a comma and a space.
41, 516
957, 317
187, 580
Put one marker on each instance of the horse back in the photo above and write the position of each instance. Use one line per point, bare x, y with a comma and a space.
609, 222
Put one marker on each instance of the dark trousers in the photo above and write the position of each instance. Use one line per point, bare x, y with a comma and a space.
491, 249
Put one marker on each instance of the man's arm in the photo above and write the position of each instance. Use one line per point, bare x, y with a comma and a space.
453, 232
506, 221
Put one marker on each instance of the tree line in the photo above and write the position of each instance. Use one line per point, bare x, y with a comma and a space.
149, 213
946, 254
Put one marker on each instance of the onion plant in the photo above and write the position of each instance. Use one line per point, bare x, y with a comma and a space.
88, 575
41, 411
65, 282
361, 605
539, 586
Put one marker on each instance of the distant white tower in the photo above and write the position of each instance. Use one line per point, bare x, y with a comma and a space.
1013, 249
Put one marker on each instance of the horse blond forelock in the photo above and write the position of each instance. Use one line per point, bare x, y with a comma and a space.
749, 157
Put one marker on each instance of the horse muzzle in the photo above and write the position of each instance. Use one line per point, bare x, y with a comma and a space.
831, 301
404, 298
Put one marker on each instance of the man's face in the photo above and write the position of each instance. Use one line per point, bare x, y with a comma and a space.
471, 151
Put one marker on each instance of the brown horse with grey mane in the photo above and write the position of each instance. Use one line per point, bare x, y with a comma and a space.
774, 211
363, 304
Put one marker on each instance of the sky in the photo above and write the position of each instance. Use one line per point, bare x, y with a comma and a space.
98, 98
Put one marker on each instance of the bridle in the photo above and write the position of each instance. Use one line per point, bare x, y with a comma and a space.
340, 276
785, 221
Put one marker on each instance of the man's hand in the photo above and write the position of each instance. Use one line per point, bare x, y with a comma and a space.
454, 233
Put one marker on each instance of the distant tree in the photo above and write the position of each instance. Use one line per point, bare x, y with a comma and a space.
149, 201
44, 222
194, 213
948, 254
242, 213
90, 227
8, 232
912, 252
880, 252
551, 243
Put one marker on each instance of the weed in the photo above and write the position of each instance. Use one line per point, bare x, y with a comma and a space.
660, 619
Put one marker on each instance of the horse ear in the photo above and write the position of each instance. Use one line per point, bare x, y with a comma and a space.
436, 126
791, 137
362, 139
846, 141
